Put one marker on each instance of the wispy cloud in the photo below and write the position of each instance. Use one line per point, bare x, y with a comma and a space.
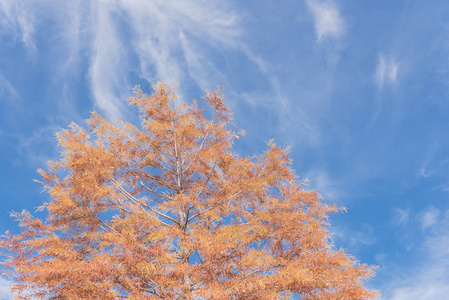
401, 216
435, 165
4, 288
7, 92
426, 278
126, 40
170, 40
442, 187
429, 217
35, 145
16, 20
353, 238
328, 21
22, 25
386, 71
107, 69
427, 290
162, 27
425, 170
327, 186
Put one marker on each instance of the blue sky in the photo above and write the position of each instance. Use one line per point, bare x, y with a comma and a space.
358, 89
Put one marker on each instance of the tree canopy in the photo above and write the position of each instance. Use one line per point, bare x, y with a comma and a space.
167, 210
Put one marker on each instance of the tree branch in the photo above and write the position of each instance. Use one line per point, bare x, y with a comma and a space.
109, 227
153, 191
136, 201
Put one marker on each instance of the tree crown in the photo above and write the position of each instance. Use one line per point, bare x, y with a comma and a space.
169, 211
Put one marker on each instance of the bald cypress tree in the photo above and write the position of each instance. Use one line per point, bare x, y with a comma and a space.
166, 210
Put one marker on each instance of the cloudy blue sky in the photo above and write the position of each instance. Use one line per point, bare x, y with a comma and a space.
359, 89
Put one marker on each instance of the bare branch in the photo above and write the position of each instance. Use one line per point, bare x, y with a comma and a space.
109, 227
153, 191
139, 204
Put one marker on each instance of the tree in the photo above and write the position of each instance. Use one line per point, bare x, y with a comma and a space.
169, 211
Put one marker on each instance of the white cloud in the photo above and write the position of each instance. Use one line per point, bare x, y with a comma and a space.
442, 187
107, 70
16, 20
353, 238
436, 165
386, 71
33, 145
168, 38
429, 291
429, 217
325, 185
163, 28
424, 170
328, 21
202, 70
427, 277
74, 23
401, 216
7, 91
161, 40
4, 288
68, 38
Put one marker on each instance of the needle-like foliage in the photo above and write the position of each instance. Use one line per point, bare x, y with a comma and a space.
166, 210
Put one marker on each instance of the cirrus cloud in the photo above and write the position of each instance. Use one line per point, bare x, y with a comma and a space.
328, 21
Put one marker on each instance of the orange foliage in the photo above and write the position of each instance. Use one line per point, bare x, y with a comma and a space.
169, 211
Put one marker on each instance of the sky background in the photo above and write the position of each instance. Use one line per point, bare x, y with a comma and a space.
358, 89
